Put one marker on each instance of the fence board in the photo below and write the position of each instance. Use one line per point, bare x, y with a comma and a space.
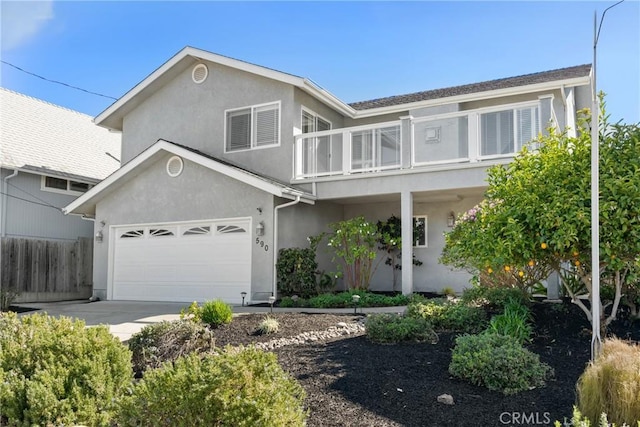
47, 270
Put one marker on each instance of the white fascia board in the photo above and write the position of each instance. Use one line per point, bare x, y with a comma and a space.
198, 55
476, 96
328, 98
162, 145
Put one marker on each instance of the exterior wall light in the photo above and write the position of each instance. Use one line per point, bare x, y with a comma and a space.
451, 219
260, 229
99, 236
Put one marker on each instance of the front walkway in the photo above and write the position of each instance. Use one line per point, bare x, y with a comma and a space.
125, 318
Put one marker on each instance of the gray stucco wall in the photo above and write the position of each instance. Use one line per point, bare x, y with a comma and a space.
194, 115
32, 220
431, 276
196, 194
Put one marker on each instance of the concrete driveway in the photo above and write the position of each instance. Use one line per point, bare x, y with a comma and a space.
125, 318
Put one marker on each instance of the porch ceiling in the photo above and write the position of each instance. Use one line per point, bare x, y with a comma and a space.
418, 196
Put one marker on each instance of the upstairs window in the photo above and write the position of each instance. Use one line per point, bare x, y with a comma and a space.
252, 127
61, 185
311, 122
507, 131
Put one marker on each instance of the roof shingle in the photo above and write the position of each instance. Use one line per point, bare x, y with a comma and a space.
524, 80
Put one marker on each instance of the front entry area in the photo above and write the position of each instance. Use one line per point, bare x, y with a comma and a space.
182, 261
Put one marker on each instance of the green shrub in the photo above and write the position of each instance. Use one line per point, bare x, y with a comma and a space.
287, 302
216, 313
345, 300
449, 316
54, 371
387, 328
498, 362
611, 384
493, 298
579, 421
166, 341
513, 322
193, 313
238, 387
269, 325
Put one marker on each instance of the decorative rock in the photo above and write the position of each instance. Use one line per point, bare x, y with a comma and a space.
342, 325
447, 399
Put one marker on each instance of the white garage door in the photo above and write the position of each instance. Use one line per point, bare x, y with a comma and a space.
183, 262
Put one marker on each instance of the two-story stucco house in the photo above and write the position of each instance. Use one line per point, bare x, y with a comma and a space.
225, 162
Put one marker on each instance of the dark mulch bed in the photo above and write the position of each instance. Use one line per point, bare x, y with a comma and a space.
353, 382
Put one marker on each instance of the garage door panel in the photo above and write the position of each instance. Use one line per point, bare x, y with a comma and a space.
183, 267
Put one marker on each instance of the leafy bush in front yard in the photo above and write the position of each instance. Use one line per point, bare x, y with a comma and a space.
166, 341
493, 298
54, 371
445, 315
216, 313
498, 362
611, 384
514, 321
388, 328
238, 387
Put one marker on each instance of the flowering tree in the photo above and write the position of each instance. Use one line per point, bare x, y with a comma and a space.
536, 217
354, 242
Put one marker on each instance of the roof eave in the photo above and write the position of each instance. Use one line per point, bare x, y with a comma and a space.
475, 96
111, 118
85, 204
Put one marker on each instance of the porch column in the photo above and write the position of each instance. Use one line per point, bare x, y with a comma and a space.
406, 209
405, 146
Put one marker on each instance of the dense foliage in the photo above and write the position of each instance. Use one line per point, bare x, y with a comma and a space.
297, 271
388, 328
238, 387
390, 242
354, 242
213, 313
449, 316
498, 362
345, 300
54, 371
166, 341
535, 218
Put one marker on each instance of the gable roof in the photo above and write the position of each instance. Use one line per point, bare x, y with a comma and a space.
85, 204
572, 76
576, 72
50, 140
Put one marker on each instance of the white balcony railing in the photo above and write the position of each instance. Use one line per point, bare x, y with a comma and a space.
468, 136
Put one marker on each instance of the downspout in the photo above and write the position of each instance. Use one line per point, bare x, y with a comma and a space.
5, 198
275, 240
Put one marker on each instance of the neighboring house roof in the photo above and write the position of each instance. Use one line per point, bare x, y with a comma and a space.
112, 117
85, 204
50, 140
576, 72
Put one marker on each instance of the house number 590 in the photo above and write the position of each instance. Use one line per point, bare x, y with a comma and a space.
262, 244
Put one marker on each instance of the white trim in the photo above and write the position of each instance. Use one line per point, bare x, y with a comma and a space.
317, 116
252, 143
313, 89
214, 165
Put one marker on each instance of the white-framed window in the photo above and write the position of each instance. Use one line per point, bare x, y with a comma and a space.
420, 231
62, 185
252, 127
505, 132
312, 122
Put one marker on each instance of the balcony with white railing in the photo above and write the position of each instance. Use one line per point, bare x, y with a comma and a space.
411, 143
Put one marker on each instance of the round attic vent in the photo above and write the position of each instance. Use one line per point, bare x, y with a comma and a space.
174, 166
199, 73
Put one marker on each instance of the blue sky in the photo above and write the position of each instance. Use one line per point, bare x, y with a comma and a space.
355, 50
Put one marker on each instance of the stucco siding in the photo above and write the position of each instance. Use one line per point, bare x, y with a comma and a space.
193, 115
196, 194
431, 276
33, 220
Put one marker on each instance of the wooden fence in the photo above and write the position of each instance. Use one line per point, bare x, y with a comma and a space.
47, 270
